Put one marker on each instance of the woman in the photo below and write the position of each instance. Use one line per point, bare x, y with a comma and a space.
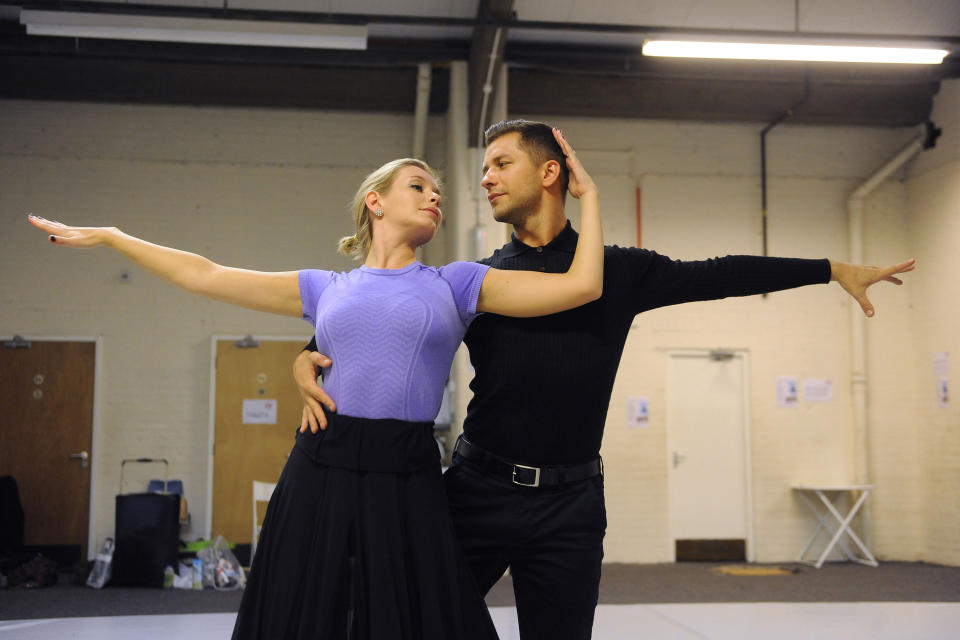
357, 541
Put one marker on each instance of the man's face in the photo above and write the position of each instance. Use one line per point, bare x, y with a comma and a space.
511, 179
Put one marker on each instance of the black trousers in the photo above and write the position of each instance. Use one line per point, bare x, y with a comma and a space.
550, 537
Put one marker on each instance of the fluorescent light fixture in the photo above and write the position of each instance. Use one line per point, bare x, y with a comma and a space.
798, 52
196, 30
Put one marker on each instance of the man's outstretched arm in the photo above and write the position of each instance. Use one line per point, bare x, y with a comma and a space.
659, 281
306, 367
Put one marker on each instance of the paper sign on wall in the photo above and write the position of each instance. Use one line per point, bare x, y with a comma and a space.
638, 412
817, 390
787, 391
941, 364
259, 411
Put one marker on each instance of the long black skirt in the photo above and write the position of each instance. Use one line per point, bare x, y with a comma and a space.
357, 543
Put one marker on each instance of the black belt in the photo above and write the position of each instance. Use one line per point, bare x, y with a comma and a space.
527, 475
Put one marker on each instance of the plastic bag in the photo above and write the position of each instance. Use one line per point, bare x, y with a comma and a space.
183, 579
221, 569
100, 575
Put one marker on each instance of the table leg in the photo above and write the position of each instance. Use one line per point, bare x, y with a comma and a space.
845, 527
823, 524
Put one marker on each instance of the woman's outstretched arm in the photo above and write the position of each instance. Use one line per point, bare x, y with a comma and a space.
528, 293
264, 291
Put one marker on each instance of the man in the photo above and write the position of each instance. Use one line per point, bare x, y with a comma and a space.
526, 483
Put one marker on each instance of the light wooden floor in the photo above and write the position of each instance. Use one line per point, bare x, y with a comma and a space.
781, 621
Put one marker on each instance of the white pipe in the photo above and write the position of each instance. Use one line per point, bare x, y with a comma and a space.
499, 232
858, 333
422, 109
459, 200
479, 233
488, 87
884, 172
458, 204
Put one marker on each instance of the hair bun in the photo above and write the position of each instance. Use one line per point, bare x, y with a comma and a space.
347, 245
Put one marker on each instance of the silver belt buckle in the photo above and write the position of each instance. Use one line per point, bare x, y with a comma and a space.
536, 476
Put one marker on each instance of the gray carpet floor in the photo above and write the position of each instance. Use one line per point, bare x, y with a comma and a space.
621, 584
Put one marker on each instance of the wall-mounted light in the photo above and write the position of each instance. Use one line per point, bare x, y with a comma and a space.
796, 52
196, 30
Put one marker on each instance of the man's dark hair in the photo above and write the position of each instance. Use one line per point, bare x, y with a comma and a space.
536, 139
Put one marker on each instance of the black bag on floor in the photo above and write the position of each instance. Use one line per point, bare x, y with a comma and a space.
11, 517
147, 536
35, 573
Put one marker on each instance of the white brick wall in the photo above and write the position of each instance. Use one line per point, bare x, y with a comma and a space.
254, 188
242, 185
701, 197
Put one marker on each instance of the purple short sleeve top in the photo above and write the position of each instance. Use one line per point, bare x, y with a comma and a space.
391, 333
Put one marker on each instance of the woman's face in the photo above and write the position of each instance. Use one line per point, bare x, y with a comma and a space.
413, 204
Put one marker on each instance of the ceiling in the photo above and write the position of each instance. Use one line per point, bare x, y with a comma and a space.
563, 57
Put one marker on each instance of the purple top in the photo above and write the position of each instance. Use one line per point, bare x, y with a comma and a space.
391, 333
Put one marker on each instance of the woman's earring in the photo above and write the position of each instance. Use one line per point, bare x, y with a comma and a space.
378, 213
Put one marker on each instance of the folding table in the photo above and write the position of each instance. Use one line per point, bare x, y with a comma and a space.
828, 494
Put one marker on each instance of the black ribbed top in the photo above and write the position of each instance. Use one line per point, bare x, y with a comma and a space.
542, 385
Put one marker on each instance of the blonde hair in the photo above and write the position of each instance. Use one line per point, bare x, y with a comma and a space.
381, 180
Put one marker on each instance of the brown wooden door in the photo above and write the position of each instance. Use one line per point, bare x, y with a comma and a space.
242, 452
46, 414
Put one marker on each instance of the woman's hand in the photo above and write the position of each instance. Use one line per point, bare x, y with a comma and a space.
77, 237
525, 294
580, 180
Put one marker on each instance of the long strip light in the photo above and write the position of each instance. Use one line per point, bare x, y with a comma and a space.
797, 52
195, 30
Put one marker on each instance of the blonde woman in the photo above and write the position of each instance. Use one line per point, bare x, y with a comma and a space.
357, 542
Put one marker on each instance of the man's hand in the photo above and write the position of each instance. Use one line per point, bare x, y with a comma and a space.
305, 368
580, 181
856, 279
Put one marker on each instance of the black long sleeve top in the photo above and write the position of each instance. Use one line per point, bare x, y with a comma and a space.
542, 386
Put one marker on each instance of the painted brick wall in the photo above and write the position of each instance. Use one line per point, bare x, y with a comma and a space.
933, 231
701, 197
259, 189
240, 185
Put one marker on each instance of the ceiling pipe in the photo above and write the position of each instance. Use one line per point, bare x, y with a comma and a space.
858, 336
763, 158
421, 110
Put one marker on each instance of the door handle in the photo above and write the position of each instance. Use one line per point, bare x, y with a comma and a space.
678, 459
83, 456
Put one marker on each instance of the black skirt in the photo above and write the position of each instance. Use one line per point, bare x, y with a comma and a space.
357, 543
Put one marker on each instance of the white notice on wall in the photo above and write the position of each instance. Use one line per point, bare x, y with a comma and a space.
786, 391
259, 411
638, 412
942, 395
817, 390
941, 364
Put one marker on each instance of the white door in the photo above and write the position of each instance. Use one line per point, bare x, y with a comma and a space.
707, 444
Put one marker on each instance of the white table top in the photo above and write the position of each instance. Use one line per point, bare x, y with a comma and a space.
831, 487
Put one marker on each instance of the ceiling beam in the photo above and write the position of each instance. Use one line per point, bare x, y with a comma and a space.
128, 80
719, 99
508, 20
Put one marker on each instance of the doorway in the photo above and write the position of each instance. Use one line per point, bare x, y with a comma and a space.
708, 448
255, 414
47, 390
